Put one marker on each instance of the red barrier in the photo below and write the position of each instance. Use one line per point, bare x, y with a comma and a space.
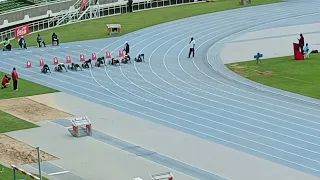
28, 64
108, 54
120, 53
82, 57
15, 168
41, 62
55, 61
68, 59
94, 56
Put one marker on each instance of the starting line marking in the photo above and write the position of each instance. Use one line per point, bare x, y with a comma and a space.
56, 173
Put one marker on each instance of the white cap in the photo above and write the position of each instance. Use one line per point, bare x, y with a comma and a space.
21, 36
126, 42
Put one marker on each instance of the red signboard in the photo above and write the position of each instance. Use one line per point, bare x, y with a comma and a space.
22, 31
83, 4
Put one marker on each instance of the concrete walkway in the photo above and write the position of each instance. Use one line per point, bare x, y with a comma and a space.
274, 42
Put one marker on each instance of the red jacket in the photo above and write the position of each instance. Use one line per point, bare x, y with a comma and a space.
5, 81
301, 41
14, 75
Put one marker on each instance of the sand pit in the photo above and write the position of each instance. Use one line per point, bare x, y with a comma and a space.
18, 153
31, 110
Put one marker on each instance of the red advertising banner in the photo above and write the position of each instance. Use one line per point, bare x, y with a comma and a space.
83, 4
22, 31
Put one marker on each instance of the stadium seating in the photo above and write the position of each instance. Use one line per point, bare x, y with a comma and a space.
12, 4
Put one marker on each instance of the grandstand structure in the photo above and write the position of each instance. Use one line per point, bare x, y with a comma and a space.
44, 14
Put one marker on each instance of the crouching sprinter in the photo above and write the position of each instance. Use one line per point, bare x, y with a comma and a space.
100, 61
114, 61
140, 58
74, 66
86, 64
5, 81
60, 67
126, 59
45, 69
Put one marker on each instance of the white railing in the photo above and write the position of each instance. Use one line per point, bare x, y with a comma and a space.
102, 11
67, 17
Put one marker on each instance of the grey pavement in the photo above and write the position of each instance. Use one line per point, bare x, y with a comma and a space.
273, 42
86, 158
202, 106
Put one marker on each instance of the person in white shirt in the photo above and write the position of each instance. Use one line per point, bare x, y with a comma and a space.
192, 44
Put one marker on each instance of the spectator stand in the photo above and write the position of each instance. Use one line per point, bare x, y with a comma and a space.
12, 4
80, 127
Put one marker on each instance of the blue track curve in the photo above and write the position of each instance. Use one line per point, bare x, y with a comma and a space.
199, 96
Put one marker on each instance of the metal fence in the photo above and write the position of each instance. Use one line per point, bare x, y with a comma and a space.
101, 11
159, 3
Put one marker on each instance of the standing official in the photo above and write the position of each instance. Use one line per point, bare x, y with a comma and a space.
192, 44
126, 48
15, 77
301, 43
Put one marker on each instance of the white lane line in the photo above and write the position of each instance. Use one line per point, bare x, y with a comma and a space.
57, 173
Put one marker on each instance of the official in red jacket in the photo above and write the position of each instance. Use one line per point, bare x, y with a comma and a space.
5, 81
15, 77
301, 43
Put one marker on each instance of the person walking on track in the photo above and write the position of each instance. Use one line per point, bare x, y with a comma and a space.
15, 77
192, 44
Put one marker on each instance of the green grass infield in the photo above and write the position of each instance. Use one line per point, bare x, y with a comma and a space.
301, 77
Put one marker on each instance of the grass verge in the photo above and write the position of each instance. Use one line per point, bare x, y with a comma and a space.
96, 29
12, 123
284, 73
7, 173
26, 88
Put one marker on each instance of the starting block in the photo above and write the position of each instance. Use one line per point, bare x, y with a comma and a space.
41, 62
120, 53
80, 127
55, 61
162, 176
28, 64
68, 59
94, 56
82, 58
108, 54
